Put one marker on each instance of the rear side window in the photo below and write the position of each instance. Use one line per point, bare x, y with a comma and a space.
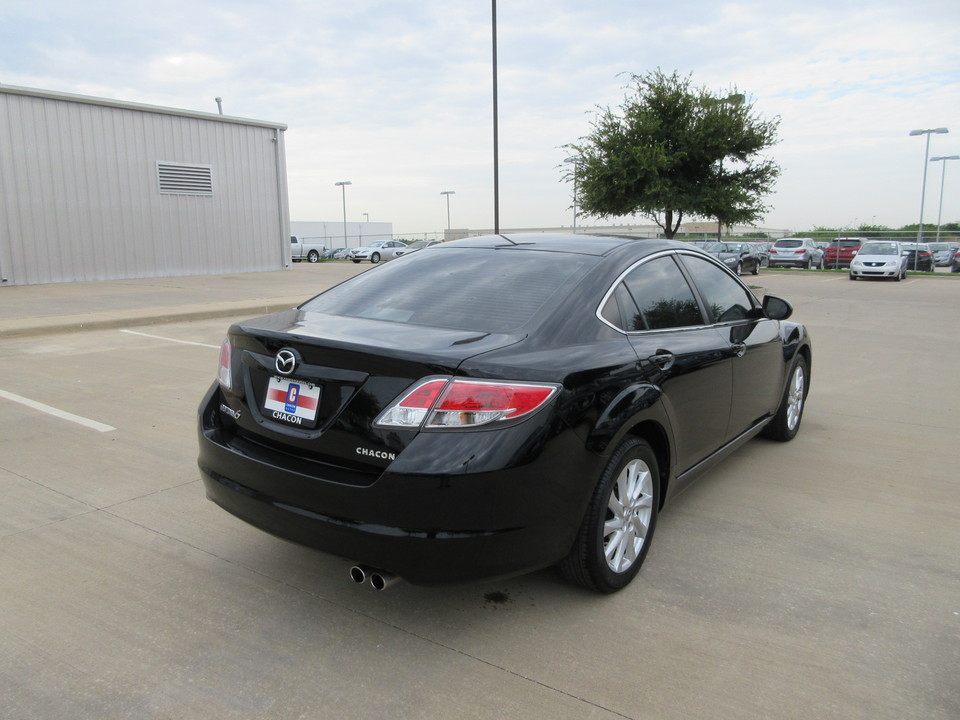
662, 297
495, 291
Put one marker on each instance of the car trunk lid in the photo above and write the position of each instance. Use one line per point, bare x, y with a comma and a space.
339, 377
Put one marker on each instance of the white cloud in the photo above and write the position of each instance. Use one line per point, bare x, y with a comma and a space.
187, 68
395, 95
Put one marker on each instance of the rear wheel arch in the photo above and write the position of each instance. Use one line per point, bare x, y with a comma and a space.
808, 356
655, 436
619, 522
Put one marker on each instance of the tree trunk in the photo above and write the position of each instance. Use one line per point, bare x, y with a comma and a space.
668, 230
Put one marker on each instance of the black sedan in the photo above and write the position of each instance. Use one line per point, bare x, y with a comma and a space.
497, 405
738, 256
919, 257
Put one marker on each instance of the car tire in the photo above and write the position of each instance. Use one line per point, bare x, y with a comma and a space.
852, 276
357, 261
786, 422
736, 270
375, 258
618, 526
821, 265
756, 268
313, 256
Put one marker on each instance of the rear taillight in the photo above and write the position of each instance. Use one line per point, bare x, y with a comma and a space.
459, 403
223, 372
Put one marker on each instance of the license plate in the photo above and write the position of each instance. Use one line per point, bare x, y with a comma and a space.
292, 401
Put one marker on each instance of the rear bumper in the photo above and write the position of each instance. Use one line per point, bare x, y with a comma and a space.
438, 524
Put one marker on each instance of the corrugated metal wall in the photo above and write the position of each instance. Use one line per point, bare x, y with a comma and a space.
80, 199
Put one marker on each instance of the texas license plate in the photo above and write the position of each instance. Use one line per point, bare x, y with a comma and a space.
292, 401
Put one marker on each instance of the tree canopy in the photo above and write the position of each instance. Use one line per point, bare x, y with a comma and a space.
673, 151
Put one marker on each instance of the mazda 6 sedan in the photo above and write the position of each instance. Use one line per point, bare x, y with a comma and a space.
498, 405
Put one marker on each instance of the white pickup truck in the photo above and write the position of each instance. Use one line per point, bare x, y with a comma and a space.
303, 249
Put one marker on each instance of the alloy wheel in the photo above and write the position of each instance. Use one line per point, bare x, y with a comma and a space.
629, 510
795, 395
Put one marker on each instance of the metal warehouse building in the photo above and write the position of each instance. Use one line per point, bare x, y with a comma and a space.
95, 189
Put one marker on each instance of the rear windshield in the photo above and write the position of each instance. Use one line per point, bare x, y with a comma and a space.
483, 290
788, 243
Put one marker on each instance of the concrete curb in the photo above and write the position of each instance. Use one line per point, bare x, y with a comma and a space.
32, 327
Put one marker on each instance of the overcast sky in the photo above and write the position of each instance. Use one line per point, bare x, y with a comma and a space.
396, 95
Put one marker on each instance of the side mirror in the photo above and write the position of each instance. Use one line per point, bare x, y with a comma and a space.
776, 308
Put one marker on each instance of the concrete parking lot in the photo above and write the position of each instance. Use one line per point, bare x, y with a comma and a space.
818, 578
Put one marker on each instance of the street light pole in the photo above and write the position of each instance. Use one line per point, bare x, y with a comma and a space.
448, 193
943, 176
923, 187
343, 187
496, 130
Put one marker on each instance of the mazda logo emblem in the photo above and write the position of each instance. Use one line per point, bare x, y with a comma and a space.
287, 360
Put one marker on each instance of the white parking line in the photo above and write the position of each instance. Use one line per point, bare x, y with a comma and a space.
62, 414
174, 340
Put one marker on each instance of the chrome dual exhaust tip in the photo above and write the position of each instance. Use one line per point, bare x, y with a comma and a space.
379, 579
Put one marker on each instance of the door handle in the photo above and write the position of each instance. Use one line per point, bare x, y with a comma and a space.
739, 349
663, 358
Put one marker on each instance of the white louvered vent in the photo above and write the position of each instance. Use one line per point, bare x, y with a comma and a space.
182, 179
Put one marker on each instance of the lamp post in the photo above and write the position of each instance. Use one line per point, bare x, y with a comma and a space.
343, 187
943, 176
923, 187
448, 193
496, 129
573, 160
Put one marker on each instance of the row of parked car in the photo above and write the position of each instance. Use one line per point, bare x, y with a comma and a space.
840, 253
742, 256
376, 251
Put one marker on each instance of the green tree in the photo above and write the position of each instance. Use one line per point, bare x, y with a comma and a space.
673, 151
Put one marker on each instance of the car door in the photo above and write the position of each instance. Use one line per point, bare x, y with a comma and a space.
679, 353
752, 342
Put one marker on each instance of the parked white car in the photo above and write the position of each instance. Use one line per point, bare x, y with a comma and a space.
879, 259
376, 251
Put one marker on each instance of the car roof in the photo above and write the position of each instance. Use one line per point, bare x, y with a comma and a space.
556, 242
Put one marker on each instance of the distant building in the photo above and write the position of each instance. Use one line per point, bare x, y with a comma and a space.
97, 189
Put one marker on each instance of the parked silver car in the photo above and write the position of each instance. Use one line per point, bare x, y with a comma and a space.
943, 252
796, 252
376, 251
418, 245
880, 258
